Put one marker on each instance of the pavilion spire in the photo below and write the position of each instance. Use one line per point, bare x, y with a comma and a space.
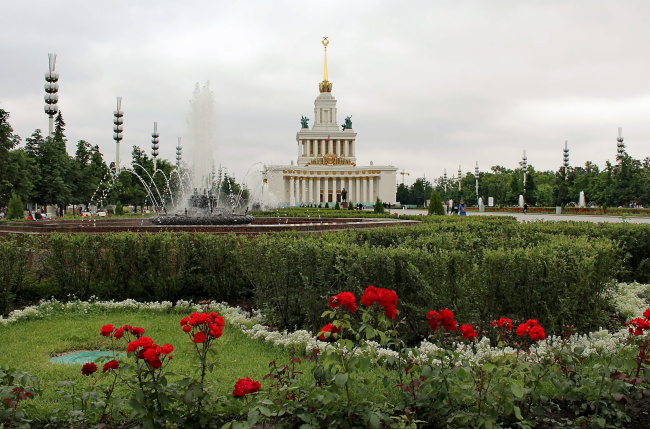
325, 85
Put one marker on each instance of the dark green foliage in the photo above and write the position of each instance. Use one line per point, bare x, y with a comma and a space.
337, 206
119, 210
350, 205
435, 204
481, 268
15, 209
379, 206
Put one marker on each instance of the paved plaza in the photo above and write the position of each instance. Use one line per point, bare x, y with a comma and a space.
532, 217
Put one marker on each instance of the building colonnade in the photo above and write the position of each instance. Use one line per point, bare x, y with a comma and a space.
305, 189
315, 147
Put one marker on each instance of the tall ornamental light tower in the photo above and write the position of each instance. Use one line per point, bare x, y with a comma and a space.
179, 154
476, 175
565, 158
444, 179
118, 127
460, 176
51, 90
524, 167
620, 146
155, 144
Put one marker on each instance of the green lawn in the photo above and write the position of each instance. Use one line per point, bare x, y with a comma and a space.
28, 345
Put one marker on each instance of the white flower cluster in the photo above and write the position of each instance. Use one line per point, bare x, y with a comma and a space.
50, 307
628, 299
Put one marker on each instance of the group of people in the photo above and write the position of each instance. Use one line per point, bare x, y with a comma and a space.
459, 209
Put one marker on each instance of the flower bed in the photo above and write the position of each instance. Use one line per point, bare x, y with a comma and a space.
455, 378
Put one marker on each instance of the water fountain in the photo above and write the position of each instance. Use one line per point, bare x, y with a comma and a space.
581, 199
205, 205
521, 201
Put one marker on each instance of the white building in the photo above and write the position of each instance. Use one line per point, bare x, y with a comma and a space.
327, 162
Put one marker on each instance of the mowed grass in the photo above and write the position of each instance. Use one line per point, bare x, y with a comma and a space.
28, 346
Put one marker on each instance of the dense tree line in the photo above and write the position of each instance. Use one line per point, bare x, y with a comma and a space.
42, 172
622, 184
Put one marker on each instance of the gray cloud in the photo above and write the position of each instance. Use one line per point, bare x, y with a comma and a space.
430, 85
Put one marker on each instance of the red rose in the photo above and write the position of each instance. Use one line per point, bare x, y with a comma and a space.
167, 349
639, 324
328, 328
503, 322
107, 330
245, 386
145, 341
468, 332
345, 299
199, 337
369, 296
137, 331
150, 354
646, 313
119, 333
216, 332
88, 368
522, 329
446, 319
184, 321
218, 320
110, 365
536, 333
132, 346
187, 328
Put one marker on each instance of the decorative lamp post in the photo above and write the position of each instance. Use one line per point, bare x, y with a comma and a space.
620, 146
155, 144
179, 154
460, 176
524, 167
444, 180
51, 89
476, 175
565, 158
118, 127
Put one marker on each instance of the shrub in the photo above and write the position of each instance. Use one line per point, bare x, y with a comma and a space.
337, 206
435, 204
15, 209
119, 210
379, 206
350, 205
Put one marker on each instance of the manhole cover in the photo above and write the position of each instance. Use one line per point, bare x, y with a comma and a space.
82, 357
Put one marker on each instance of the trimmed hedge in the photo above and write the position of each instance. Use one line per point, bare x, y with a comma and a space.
481, 268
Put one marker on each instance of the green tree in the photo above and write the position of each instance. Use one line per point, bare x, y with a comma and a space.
350, 205
15, 209
8, 141
52, 162
379, 206
435, 204
119, 209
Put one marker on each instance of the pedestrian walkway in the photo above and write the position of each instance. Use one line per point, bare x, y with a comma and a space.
531, 217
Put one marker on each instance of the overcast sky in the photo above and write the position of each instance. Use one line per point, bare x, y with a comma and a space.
430, 85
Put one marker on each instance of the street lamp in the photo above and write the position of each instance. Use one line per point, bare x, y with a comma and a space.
118, 127
476, 175
179, 154
524, 167
566, 158
51, 89
155, 144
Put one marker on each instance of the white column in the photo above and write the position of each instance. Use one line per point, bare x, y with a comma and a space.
330, 149
299, 149
292, 198
371, 188
353, 152
357, 188
346, 148
310, 186
326, 190
317, 190
335, 184
322, 147
302, 190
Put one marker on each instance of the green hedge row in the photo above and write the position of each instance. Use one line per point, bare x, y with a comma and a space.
481, 268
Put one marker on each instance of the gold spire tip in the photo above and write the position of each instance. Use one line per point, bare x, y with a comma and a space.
325, 86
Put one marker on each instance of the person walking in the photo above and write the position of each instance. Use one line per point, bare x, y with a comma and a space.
462, 208
525, 208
